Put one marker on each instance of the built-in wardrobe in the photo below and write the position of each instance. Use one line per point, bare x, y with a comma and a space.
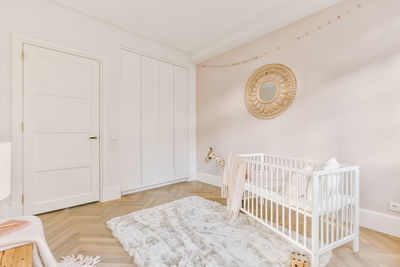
153, 122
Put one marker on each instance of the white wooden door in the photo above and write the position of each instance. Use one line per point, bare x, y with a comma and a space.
181, 123
61, 115
166, 122
150, 163
130, 121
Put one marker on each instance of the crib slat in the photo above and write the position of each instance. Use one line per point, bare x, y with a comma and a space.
266, 194
341, 204
329, 203
250, 185
347, 204
297, 207
283, 199
260, 191
331, 208
257, 186
337, 205
270, 200
321, 199
255, 189
248, 181
315, 243
305, 210
260, 197
352, 202
252, 190
290, 204
277, 200
326, 211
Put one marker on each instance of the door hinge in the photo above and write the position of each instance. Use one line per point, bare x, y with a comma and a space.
22, 126
23, 198
23, 55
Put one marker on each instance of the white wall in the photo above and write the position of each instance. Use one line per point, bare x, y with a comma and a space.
50, 22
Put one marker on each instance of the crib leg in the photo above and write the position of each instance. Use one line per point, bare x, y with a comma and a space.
356, 244
315, 260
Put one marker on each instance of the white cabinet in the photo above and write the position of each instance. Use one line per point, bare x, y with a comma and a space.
166, 122
181, 123
153, 122
130, 121
150, 131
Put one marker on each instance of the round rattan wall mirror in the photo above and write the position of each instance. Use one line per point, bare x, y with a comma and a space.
270, 90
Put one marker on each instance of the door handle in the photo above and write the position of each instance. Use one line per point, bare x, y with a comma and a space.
93, 137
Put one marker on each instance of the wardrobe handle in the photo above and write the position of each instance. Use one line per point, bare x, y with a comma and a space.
93, 137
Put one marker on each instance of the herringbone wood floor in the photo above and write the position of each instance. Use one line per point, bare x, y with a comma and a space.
83, 230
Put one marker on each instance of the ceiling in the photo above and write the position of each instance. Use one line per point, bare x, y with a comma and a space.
200, 28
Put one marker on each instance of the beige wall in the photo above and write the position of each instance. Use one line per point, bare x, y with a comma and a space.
347, 104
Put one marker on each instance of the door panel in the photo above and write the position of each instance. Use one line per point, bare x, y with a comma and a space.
75, 111
70, 77
62, 147
64, 183
130, 121
150, 164
181, 123
166, 122
61, 112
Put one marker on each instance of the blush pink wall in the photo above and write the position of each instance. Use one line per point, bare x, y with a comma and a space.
347, 104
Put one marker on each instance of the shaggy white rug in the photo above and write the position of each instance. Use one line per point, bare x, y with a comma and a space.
193, 231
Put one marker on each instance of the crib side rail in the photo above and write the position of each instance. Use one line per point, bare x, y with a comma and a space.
316, 211
335, 204
282, 161
277, 196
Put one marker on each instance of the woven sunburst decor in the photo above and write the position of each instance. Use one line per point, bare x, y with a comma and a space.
285, 82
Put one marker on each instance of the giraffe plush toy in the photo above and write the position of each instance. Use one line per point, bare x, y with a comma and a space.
212, 155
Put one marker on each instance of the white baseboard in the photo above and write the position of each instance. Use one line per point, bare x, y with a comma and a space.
209, 179
380, 222
111, 193
191, 178
377, 221
127, 192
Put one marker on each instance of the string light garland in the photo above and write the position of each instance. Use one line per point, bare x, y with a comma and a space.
277, 48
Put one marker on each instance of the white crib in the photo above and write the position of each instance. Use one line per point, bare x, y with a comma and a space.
295, 199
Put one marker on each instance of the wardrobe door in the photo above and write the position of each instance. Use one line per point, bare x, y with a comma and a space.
166, 122
181, 123
150, 163
129, 121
